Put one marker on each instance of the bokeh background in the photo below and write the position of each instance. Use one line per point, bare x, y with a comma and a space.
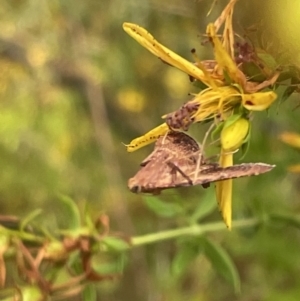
74, 87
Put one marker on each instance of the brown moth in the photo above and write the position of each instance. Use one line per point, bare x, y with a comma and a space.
173, 164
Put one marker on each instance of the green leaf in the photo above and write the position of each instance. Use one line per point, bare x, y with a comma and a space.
70, 212
31, 293
287, 93
288, 219
252, 70
88, 219
267, 59
89, 293
205, 207
222, 263
163, 209
115, 243
27, 219
188, 251
108, 265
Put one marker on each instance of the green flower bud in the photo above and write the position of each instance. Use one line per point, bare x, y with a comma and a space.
233, 134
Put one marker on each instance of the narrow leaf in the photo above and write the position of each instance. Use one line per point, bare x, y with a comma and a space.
89, 293
163, 209
27, 219
188, 251
287, 93
205, 207
115, 243
108, 265
222, 263
70, 212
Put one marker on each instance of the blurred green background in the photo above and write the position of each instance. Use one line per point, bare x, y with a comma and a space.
74, 87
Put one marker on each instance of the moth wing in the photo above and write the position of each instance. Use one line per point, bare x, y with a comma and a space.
215, 174
161, 174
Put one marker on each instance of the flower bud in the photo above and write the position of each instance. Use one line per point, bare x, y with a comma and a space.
233, 134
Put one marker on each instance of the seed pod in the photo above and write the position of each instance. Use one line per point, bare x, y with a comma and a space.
234, 134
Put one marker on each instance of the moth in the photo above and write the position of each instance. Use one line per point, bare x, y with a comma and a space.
173, 163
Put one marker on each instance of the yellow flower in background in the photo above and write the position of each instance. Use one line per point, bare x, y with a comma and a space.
293, 139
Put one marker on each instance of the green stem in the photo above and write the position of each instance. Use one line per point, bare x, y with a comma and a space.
193, 230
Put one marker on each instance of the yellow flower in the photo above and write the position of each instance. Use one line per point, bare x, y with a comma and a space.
292, 139
218, 97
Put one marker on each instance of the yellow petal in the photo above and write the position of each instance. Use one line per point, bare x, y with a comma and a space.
294, 168
224, 191
148, 138
224, 60
143, 37
226, 11
290, 138
258, 101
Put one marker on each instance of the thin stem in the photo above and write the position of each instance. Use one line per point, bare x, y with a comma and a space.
193, 230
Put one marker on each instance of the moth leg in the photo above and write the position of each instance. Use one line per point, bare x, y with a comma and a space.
175, 169
200, 158
206, 185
